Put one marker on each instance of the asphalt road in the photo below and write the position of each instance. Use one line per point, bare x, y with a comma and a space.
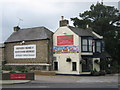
108, 81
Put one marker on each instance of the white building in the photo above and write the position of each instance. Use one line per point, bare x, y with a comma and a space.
76, 51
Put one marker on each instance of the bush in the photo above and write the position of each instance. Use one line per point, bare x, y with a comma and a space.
4, 62
95, 72
7, 68
19, 68
24, 70
97, 62
12, 71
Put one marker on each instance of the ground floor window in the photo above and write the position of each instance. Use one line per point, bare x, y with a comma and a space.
55, 65
74, 66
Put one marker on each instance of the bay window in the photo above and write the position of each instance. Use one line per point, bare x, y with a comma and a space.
86, 44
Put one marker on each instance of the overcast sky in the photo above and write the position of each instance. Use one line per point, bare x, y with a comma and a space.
36, 13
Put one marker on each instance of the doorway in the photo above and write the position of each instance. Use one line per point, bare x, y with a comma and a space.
87, 66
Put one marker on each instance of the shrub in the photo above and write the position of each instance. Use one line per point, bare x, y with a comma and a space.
19, 68
6, 68
12, 71
24, 70
82, 62
97, 62
95, 72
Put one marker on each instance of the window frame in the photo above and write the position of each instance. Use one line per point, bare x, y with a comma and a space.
101, 46
88, 44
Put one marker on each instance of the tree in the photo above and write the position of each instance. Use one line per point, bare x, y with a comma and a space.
104, 20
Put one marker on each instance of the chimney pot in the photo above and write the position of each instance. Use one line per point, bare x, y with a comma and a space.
62, 17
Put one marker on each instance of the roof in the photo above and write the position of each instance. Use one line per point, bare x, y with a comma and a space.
36, 33
82, 32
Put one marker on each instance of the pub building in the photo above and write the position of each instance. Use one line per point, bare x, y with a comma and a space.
76, 51
30, 47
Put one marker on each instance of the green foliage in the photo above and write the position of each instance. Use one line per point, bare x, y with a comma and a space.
104, 20
12, 71
97, 62
4, 62
24, 70
21, 69
6, 68
95, 72
82, 62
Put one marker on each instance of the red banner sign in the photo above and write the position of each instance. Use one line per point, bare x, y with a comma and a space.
65, 40
17, 76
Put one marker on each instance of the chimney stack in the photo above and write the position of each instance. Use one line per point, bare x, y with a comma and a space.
63, 22
16, 28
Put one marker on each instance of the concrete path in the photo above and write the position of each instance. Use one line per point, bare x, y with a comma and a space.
5, 82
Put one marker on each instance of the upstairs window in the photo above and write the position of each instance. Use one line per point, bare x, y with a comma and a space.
98, 46
87, 44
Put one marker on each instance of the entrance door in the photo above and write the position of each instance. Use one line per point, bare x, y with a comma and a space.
87, 66
55, 65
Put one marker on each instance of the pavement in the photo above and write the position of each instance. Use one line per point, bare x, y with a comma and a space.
60, 81
64, 79
5, 82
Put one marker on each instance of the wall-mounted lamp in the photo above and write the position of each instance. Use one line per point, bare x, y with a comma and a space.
22, 42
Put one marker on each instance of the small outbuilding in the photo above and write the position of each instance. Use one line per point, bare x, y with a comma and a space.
30, 47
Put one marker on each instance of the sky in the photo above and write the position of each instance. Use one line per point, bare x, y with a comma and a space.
37, 13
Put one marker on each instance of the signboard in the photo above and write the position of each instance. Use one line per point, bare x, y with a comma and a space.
24, 51
17, 76
65, 49
65, 40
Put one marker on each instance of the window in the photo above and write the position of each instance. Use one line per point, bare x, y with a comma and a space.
90, 45
103, 46
87, 44
74, 66
55, 65
98, 46
84, 45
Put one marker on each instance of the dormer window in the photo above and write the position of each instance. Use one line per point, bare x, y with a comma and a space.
86, 44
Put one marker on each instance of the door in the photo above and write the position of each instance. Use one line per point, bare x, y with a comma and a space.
87, 66
55, 65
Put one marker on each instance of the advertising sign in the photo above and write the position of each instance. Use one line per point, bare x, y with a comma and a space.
17, 76
65, 49
65, 40
24, 51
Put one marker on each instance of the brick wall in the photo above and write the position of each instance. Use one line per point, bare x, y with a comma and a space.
43, 52
1, 53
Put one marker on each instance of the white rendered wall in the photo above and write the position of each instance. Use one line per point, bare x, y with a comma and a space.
63, 66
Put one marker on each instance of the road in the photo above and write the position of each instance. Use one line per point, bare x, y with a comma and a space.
108, 81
